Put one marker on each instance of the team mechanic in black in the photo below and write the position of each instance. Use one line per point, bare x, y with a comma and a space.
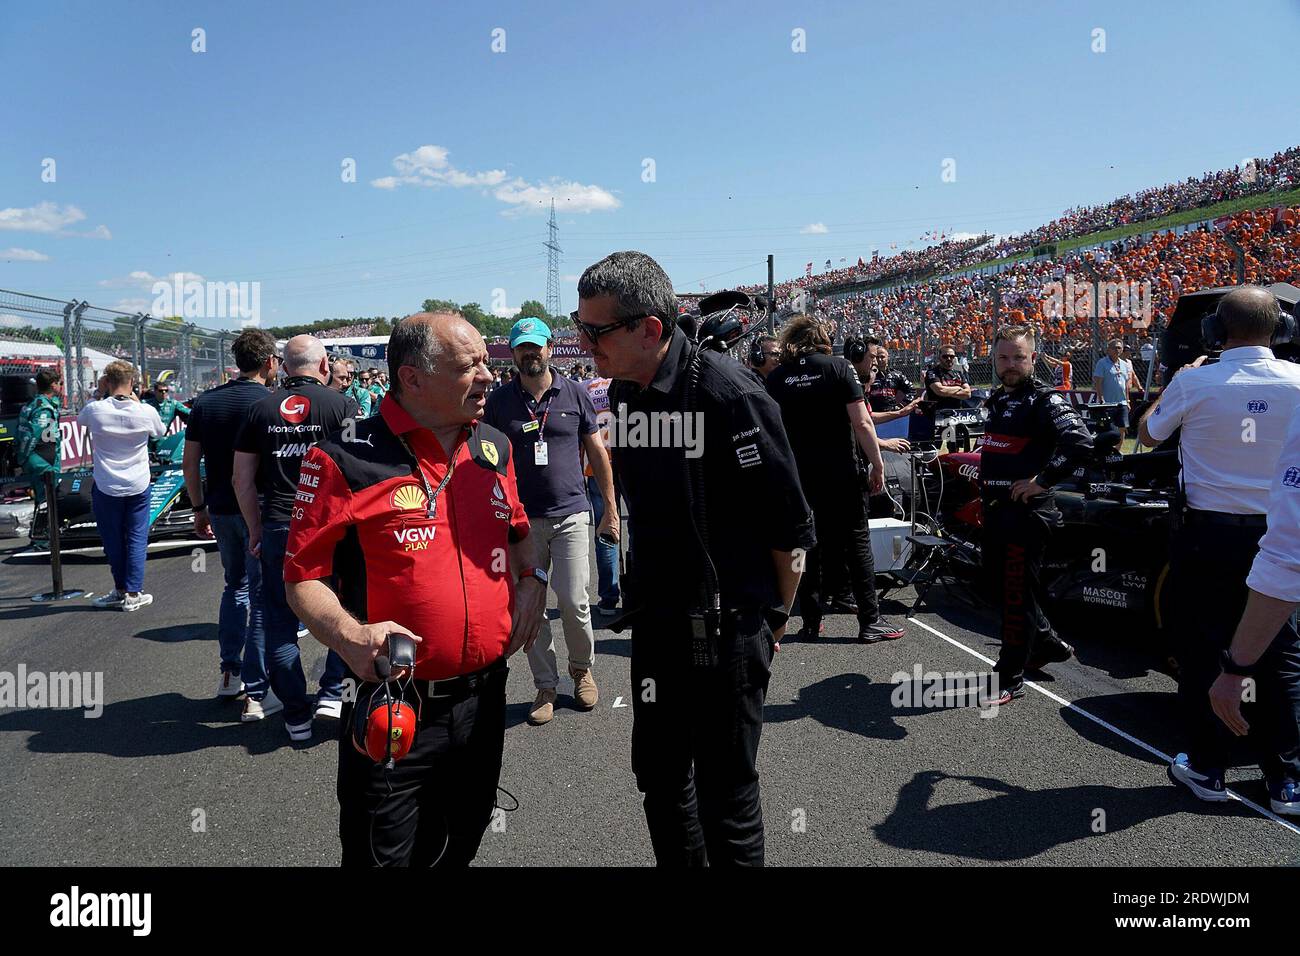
822, 403
1033, 439
712, 576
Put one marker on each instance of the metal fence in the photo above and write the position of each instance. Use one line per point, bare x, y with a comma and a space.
81, 339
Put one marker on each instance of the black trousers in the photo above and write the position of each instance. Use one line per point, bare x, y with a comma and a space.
1207, 579
1013, 542
695, 736
442, 792
843, 543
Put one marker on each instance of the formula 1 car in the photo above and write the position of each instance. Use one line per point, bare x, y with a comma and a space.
171, 514
1105, 567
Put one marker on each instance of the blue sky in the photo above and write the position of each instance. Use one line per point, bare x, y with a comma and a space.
227, 163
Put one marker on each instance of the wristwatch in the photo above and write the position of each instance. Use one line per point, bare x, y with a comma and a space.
1230, 666
539, 573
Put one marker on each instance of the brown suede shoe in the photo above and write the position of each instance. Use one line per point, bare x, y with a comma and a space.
543, 708
584, 688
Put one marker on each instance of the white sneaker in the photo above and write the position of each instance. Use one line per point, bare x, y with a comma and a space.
230, 685
113, 599
257, 709
329, 708
303, 632
138, 601
298, 731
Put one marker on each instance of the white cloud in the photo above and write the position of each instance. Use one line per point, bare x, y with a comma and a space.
133, 305
570, 278
14, 254
505, 312
814, 229
11, 322
430, 167
48, 217
525, 197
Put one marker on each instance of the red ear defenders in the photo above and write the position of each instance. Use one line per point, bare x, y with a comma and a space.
383, 723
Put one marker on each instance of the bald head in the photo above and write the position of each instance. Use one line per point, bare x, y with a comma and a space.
1250, 315
340, 374
437, 369
305, 355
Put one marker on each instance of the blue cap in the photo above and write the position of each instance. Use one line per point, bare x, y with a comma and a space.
530, 331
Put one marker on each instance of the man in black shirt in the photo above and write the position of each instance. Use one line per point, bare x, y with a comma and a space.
716, 518
946, 386
1033, 440
825, 415
215, 420
268, 453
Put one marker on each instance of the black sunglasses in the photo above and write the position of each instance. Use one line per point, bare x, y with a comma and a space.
594, 332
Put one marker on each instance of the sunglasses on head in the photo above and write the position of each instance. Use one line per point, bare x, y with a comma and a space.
594, 332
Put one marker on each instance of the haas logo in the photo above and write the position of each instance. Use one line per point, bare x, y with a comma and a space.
294, 409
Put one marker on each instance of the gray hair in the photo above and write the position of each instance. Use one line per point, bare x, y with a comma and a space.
638, 284
412, 343
1249, 312
302, 353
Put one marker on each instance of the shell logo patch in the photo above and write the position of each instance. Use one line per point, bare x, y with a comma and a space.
408, 498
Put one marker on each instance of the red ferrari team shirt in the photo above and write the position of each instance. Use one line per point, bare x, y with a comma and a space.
376, 510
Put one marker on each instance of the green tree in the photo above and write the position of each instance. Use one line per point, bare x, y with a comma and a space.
382, 327
439, 305
532, 309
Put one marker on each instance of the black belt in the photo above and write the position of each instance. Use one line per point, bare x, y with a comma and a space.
463, 685
1195, 516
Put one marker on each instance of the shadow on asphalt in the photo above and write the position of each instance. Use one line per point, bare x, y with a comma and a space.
854, 703
161, 725
179, 633
1012, 822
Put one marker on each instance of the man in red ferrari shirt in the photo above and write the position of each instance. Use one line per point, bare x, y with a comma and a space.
414, 515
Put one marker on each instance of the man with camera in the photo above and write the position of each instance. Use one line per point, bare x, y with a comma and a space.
709, 587
823, 406
1234, 415
1033, 440
410, 523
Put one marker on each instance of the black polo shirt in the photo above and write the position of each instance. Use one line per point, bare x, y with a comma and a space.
889, 391
557, 488
215, 420
752, 498
814, 392
953, 376
280, 428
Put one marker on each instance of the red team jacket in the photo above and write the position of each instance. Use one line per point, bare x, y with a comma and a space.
361, 516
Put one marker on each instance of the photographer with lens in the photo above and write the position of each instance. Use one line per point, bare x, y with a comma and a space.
1234, 415
825, 413
709, 587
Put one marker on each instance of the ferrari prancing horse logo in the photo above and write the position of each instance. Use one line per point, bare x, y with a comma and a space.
490, 452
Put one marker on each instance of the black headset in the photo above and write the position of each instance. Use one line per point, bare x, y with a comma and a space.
1214, 333
855, 350
756, 356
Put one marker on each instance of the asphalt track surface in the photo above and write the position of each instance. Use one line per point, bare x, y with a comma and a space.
847, 777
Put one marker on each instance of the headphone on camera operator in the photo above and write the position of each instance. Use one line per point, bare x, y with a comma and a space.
1214, 332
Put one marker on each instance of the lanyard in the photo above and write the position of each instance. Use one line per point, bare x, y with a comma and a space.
431, 511
541, 429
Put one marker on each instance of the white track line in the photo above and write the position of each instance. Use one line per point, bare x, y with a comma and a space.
1111, 727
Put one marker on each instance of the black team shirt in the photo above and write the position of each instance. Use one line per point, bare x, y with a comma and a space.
280, 428
814, 392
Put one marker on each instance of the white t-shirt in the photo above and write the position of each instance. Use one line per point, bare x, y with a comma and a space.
1234, 417
120, 430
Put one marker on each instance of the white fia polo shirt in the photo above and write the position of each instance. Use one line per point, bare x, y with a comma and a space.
1234, 415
